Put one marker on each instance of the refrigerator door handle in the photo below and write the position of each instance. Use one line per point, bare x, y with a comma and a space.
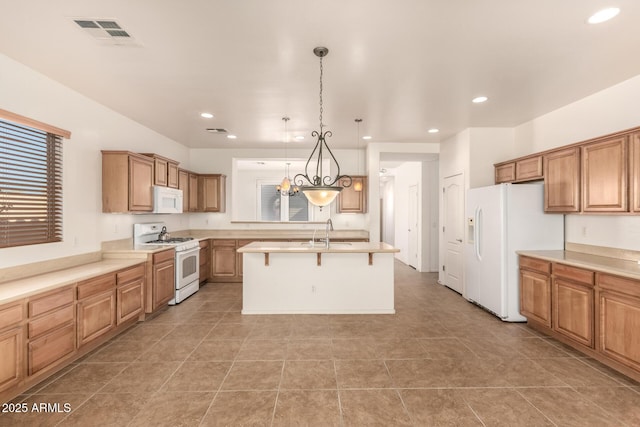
478, 234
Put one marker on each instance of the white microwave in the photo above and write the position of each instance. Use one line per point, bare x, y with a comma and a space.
167, 200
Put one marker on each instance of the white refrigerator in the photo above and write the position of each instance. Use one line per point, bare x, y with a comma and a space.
500, 220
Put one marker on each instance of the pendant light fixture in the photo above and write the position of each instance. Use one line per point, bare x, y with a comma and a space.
321, 190
357, 186
285, 187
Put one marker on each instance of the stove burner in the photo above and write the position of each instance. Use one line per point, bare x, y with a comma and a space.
172, 240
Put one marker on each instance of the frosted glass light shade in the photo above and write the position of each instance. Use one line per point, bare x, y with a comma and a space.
285, 185
321, 196
357, 186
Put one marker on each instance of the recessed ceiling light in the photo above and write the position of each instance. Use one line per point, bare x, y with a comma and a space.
206, 115
433, 130
231, 136
479, 99
367, 137
603, 15
299, 138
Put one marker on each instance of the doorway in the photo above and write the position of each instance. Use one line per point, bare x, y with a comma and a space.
414, 229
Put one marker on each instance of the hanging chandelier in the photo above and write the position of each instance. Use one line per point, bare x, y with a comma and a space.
321, 190
285, 188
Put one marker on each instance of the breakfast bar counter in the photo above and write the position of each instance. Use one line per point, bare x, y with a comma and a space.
300, 277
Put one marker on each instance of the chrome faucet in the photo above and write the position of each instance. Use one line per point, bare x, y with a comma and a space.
329, 225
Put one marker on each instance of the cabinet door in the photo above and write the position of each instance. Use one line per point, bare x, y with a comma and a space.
211, 193
573, 310
205, 260
505, 173
619, 326
161, 172
223, 259
96, 316
172, 175
11, 349
350, 200
529, 169
635, 172
604, 176
535, 297
193, 192
129, 301
164, 287
140, 183
51, 348
183, 184
562, 181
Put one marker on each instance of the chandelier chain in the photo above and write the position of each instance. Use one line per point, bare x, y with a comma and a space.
321, 72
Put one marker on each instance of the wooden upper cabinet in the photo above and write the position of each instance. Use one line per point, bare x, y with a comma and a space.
505, 172
635, 172
165, 171
212, 193
193, 193
127, 179
562, 180
529, 169
604, 175
351, 200
183, 184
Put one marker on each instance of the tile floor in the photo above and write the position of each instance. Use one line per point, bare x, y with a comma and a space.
439, 361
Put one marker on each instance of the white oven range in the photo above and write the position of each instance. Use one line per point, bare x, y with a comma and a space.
187, 258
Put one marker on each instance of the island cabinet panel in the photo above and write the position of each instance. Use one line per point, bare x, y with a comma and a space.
535, 290
635, 172
51, 329
573, 303
96, 307
11, 344
350, 199
604, 175
505, 172
562, 181
619, 319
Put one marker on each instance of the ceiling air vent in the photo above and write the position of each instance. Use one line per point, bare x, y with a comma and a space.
217, 130
106, 31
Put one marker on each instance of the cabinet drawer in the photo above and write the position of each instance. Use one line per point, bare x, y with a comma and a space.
51, 301
573, 273
535, 264
47, 350
50, 321
130, 274
11, 314
224, 242
96, 285
163, 256
619, 284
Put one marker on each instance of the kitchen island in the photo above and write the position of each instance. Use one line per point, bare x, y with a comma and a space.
298, 277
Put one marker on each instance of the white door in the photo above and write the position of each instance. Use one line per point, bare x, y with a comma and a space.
413, 227
453, 231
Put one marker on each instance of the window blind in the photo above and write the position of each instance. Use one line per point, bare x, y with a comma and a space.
30, 186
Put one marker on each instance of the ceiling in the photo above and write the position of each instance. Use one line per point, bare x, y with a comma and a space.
402, 66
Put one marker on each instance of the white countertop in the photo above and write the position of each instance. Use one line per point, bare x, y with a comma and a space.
620, 267
305, 247
16, 289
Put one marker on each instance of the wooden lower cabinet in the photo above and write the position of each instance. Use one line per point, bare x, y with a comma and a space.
619, 319
205, 261
130, 293
11, 362
96, 316
535, 296
224, 260
594, 312
164, 278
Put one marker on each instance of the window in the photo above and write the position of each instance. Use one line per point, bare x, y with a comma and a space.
274, 207
30, 182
